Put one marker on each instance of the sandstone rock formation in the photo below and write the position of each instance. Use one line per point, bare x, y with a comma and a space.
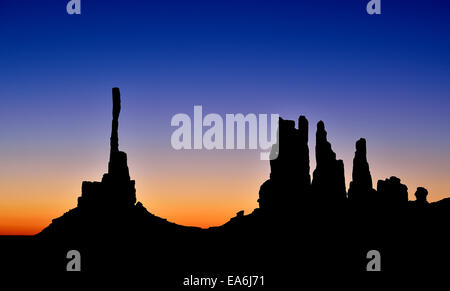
361, 188
290, 169
391, 193
116, 190
108, 206
421, 197
328, 185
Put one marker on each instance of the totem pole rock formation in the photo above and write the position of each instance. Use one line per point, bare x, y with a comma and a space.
109, 206
116, 190
328, 185
361, 188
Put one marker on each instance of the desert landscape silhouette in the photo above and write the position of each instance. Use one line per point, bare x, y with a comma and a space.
303, 224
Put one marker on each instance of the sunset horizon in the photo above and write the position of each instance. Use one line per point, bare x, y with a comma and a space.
198, 205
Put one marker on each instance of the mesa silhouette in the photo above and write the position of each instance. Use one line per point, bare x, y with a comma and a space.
301, 225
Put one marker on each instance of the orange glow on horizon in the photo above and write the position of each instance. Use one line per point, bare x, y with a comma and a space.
200, 189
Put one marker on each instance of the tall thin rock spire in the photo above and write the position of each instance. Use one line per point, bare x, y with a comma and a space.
115, 121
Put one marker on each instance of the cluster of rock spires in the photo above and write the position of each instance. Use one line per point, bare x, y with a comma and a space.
290, 179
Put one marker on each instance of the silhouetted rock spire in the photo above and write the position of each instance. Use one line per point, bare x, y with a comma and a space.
328, 183
116, 189
303, 156
292, 163
290, 169
115, 122
117, 165
361, 185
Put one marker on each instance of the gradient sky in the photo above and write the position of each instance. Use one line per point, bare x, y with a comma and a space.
383, 77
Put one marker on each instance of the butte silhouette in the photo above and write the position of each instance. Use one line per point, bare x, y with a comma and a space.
302, 225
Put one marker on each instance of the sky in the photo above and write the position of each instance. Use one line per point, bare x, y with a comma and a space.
382, 77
